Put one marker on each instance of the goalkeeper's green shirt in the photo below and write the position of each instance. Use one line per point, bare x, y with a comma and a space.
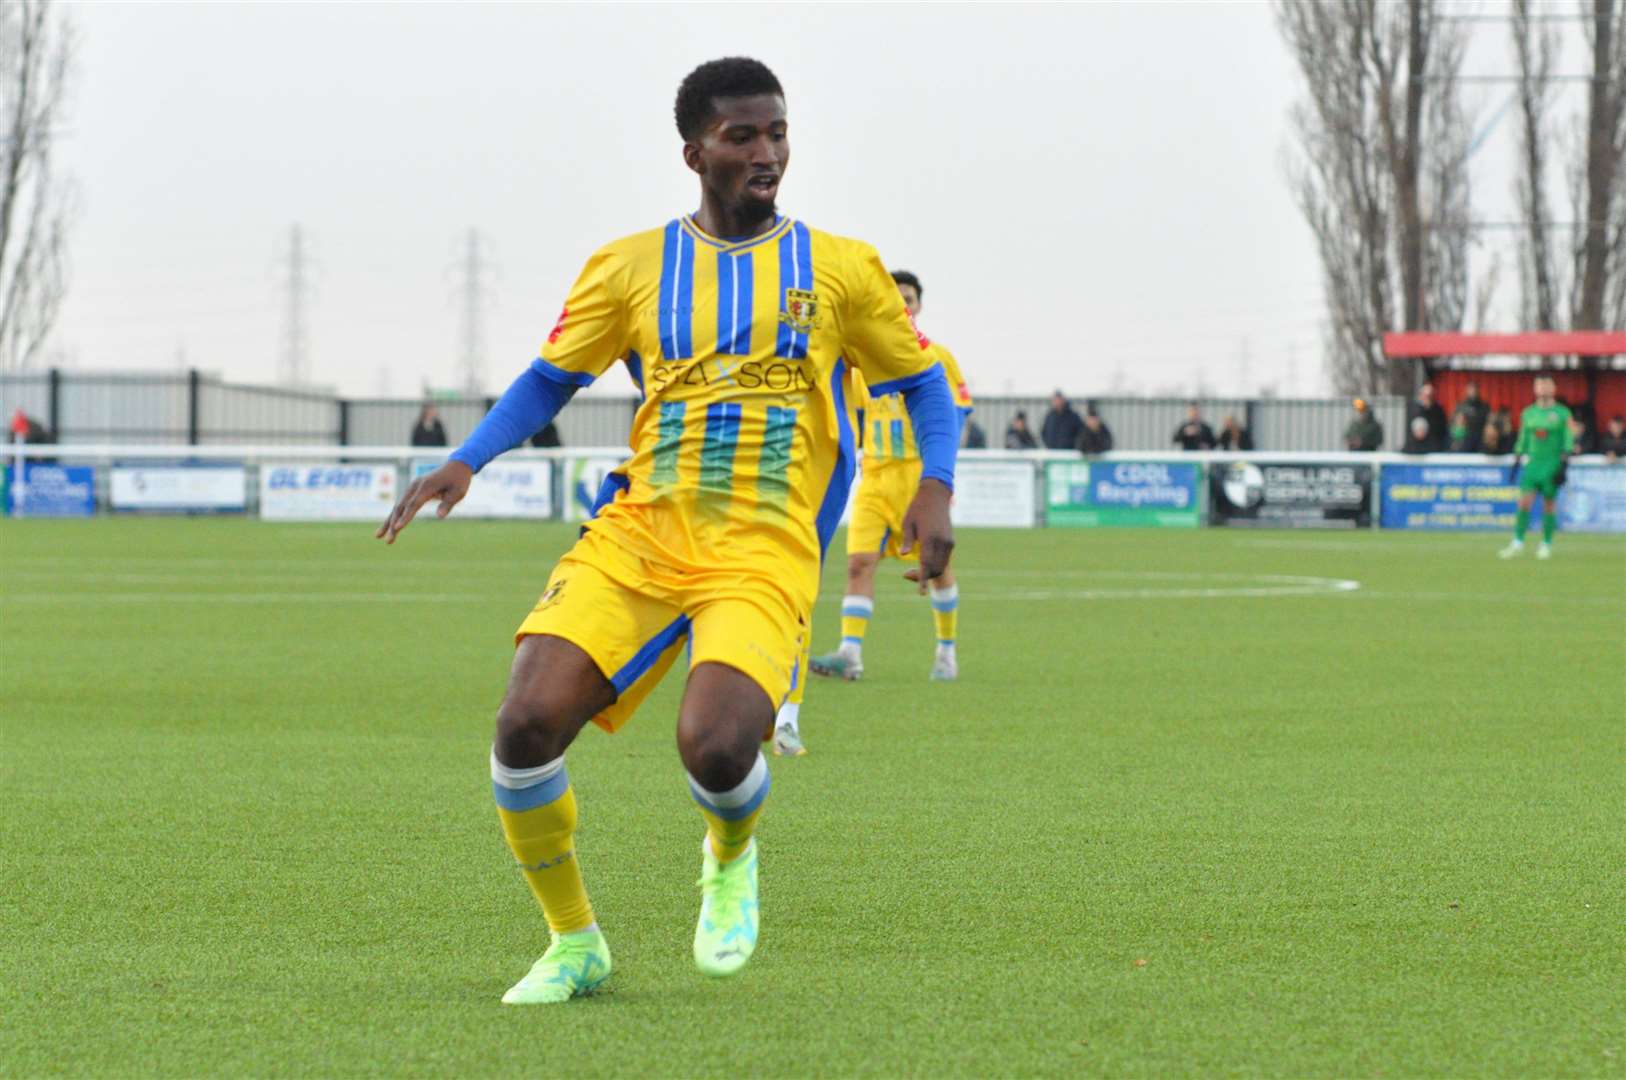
1545, 438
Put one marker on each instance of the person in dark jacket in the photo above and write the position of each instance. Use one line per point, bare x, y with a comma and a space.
1493, 441
1432, 435
1096, 437
1061, 424
1194, 434
1474, 412
1364, 432
1233, 436
1017, 436
547, 438
428, 430
1612, 444
973, 437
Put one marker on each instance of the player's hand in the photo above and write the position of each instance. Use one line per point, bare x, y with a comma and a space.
449, 484
926, 525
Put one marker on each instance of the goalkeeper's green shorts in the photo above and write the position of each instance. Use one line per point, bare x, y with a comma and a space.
1542, 480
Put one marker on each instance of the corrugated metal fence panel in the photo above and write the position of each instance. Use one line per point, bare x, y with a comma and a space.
29, 391
597, 421
237, 414
115, 408
586, 421
1150, 423
389, 423
1319, 423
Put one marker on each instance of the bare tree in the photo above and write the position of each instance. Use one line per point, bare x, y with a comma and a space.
1382, 178
36, 54
1598, 180
1535, 44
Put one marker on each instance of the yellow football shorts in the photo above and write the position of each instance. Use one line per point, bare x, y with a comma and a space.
884, 495
633, 617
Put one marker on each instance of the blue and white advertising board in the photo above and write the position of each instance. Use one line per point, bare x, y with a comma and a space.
1594, 499
1464, 498
503, 489
179, 489
317, 492
52, 491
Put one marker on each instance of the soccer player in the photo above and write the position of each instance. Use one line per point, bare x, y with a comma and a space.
737, 324
1545, 442
891, 471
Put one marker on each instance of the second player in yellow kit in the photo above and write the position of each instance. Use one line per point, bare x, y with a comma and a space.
891, 473
739, 327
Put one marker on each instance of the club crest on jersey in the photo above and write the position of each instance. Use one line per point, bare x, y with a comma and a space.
551, 596
801, 310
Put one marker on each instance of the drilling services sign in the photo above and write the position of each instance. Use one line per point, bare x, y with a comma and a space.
1291, 495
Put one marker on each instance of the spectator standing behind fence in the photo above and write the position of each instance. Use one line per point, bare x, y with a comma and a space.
1017, 436
428, 430
1364, 432
1194, 434
547, 438
1094, 437
27, 430
1233, 436
1061, 424
1474, 413
972, 437
1586, 440
1426, 429
1612, 444
1493, 441
1464, 439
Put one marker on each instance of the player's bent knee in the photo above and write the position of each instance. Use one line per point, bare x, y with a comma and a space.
721, 725
553, 691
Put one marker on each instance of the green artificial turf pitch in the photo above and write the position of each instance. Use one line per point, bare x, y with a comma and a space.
1193, 808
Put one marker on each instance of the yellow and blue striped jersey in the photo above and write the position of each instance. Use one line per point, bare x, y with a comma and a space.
742, 448
889, 438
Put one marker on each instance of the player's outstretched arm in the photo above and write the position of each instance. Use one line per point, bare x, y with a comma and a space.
524, 409
449, 484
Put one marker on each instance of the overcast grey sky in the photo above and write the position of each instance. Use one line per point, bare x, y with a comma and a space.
1093, 195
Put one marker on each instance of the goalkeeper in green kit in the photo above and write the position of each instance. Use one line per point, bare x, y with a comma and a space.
1545, 444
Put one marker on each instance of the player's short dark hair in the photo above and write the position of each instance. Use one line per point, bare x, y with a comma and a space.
904, 277
732, 76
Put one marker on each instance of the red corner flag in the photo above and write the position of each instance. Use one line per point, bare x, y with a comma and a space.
19, 423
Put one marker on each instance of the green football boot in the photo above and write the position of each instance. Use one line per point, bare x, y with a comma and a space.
839, 665
726, 935
573, 966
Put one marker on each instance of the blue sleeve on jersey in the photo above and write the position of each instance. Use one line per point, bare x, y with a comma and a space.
524, 409
936, 423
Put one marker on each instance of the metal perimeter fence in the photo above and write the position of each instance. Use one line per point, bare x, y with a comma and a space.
199, 409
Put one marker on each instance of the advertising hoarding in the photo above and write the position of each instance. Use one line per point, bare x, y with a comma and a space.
318, 492
179, 488
503, 489
994, 493
52, 491
1290, 495
1143, 493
